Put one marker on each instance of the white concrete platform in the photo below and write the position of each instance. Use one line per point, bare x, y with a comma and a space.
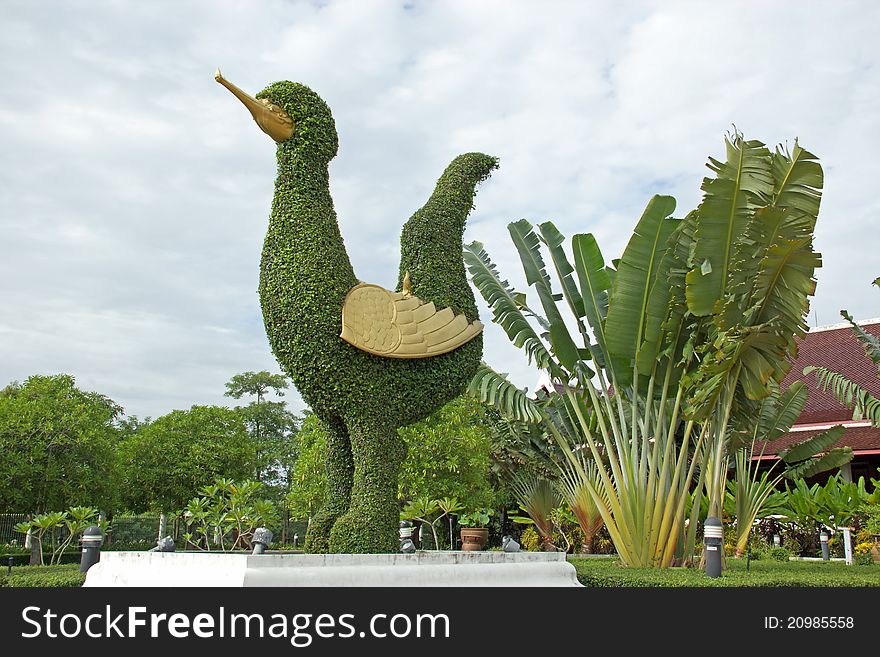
456, 569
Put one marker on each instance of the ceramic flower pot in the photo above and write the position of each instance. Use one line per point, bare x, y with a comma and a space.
474, 538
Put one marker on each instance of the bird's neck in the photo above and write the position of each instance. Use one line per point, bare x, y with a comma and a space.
303, 243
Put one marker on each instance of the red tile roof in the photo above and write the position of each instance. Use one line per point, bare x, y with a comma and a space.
859, 438
837, 349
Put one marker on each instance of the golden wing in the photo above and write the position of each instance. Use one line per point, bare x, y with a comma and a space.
397, 325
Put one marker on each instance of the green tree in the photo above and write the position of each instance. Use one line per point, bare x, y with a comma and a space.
58, 444
165, 462
449, 456
308, 481
271, 426
256, 383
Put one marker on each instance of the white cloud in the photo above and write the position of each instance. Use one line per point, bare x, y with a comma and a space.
136, 191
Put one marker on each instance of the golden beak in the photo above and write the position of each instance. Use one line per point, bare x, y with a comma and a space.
272, 120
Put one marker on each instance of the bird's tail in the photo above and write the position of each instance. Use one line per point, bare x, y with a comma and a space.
431, 241
465, 172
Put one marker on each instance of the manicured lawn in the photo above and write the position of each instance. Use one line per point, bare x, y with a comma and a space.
605, 572
63, 576
595, 572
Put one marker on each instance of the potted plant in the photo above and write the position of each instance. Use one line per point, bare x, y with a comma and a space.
474, 530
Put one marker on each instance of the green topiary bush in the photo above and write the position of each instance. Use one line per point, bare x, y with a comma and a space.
305, 276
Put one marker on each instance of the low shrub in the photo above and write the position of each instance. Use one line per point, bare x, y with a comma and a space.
862, 553
863, 559
530, 541
779, 553
872, 518
63, 576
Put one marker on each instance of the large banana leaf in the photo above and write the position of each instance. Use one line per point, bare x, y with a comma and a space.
660, 306
529, 248
770, 418
780, 410
704, 309
831, 460
807, 448
743, 183
505, 310
798, 181
493, 389
595, 282
554, 240
628, 307
801, 460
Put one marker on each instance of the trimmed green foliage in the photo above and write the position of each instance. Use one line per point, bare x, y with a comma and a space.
604, 572
22, 558
305, 275
63, 576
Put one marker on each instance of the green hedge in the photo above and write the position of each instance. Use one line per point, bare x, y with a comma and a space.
63, 576
599, 572
24, 558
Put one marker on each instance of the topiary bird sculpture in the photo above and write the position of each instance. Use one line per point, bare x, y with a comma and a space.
366, 360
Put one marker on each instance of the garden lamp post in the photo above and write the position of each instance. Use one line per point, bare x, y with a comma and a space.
713, 536
406, 543
823, 539
92, 540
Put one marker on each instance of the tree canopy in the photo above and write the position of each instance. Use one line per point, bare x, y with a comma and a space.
58, 444
166, 461
271, 427
308, 479
449, 456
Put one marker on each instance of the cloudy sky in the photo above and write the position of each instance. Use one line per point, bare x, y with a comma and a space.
135, 191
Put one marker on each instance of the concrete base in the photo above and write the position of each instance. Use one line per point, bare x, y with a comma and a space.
176, 569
